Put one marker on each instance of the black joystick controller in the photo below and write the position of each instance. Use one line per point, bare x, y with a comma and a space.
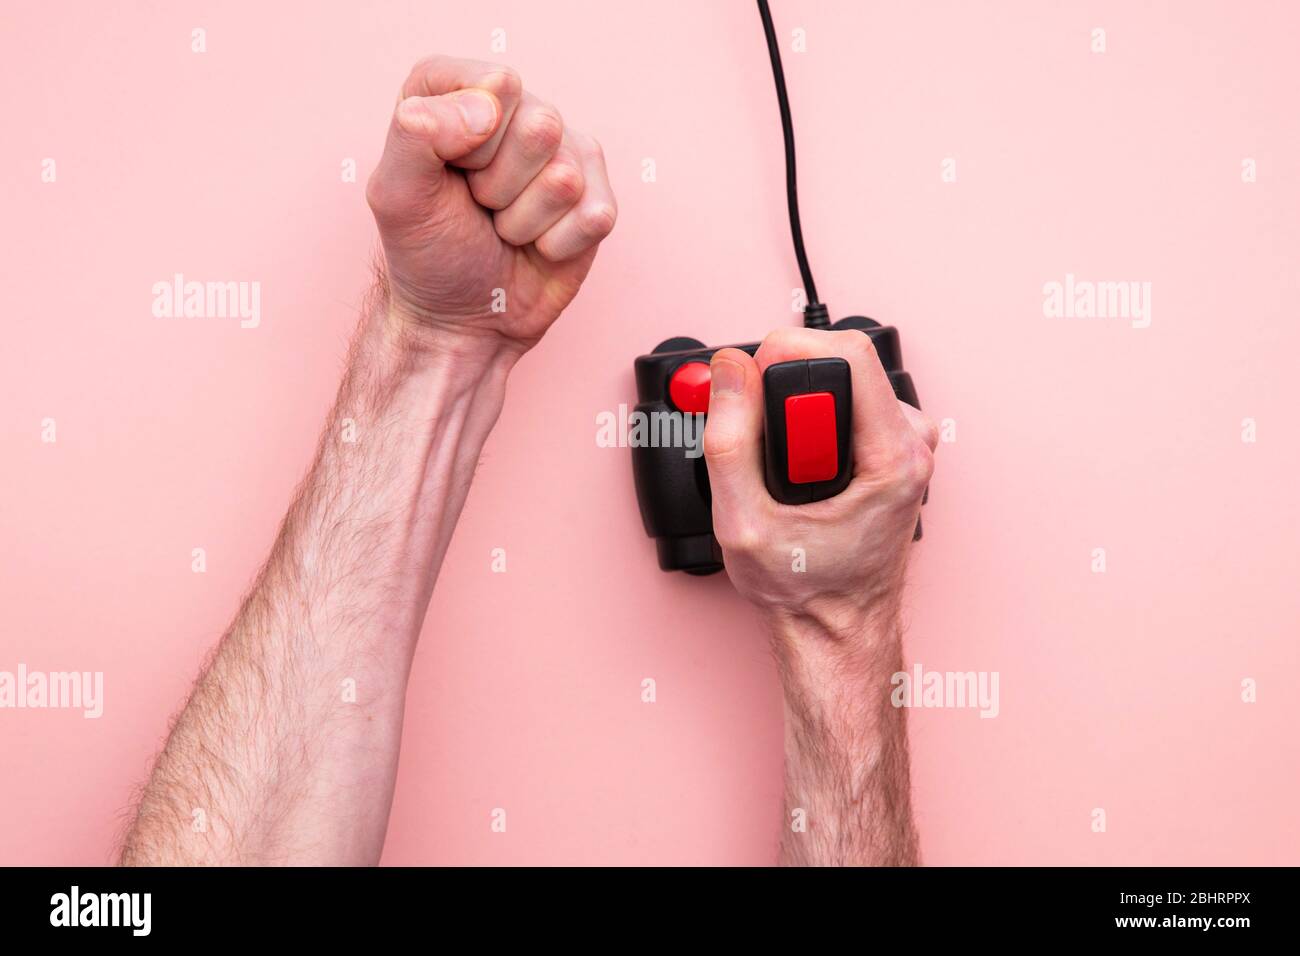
808, 407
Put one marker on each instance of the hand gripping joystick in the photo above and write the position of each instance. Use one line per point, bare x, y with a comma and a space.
808, 405
808, 432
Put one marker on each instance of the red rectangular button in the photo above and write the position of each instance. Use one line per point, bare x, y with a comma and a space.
812, 448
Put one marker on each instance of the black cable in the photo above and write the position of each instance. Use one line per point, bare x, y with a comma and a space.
815, 314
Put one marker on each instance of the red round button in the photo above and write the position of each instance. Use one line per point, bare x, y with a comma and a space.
689, 387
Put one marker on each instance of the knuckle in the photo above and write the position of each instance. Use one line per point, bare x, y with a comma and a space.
739, 537
422, 66
931, 428
505, 82
597, 222
542, 131
857, 343
549, 249
719, 443
595, 150
780, 337
508, 232
563, 183
914, 469
485, 192
554, 246
414, 118
586, 146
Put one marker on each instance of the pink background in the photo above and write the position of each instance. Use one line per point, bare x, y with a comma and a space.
1118, 690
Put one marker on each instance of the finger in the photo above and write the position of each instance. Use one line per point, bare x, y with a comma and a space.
922, 424
529, 142
733, 441
434, 130
552, 193
444, 74
594, 215
877, 420
426, 133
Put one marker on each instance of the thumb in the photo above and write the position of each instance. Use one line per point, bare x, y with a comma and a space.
426, 133
443, 129
733, 440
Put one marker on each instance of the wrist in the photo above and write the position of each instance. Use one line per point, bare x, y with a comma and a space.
834, 654
415, 346
836, 629
429, 396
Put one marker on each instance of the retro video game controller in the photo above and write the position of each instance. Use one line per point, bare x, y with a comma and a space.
807, 406
808, 429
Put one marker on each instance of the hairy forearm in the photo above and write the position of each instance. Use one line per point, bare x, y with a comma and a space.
287, 749
847, 788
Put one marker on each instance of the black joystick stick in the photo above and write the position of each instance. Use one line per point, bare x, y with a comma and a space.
807, 439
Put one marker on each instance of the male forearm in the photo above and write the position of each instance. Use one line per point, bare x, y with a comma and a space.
847, 790
287, 749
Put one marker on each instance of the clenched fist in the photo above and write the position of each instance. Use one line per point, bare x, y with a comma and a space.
490, 209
